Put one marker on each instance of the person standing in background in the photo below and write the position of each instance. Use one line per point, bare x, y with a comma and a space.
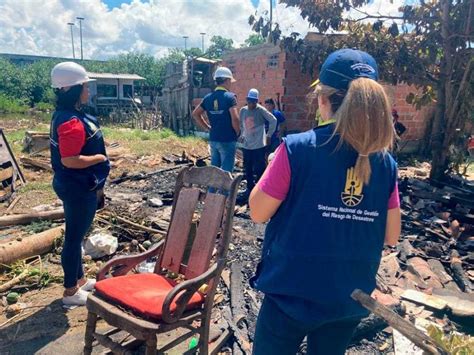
254, 138
280, 127
222, 120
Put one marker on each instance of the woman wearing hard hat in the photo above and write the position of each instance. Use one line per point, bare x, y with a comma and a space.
80, 167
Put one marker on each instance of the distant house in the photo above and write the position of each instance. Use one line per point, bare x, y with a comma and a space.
110, 91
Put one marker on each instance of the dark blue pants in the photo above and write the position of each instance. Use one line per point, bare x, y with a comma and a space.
279, 334
254, 166
79, 212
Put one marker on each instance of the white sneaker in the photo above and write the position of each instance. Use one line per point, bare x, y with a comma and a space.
89, 285
77, 299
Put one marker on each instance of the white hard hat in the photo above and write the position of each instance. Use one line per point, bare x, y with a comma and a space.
68, 74
223, 72
253, 94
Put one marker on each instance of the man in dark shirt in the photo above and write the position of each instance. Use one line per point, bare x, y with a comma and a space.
222, 120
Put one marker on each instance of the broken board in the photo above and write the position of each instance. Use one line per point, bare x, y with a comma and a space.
9, 169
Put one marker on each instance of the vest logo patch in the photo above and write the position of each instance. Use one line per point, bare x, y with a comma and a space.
216, 105
352, 194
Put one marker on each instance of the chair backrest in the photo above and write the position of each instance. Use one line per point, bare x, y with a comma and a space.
205, 196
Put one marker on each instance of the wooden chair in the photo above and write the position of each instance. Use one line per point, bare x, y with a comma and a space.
145, 305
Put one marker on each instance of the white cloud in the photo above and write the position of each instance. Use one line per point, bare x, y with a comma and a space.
40, 26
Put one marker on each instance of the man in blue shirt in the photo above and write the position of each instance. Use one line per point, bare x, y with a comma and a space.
280, 127
222, 120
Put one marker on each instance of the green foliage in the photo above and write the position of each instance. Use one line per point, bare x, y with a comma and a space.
219, 45
453, 343
193, 52
254, 40
142, 64
10, 105
44, 106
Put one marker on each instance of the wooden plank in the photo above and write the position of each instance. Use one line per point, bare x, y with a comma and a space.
6, 154
16, 219
204, 243
36, 163
427, 300
460, 303
396, 322
421, 268
438, 268
179, 229
208, 176
458, 273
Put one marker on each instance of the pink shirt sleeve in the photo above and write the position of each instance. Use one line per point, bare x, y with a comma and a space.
275, 182
394, 200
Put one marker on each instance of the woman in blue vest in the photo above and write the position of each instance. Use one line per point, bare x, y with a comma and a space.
332, 200
80, 167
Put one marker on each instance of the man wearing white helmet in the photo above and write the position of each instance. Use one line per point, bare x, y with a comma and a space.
222, 120
80, 167
254, 138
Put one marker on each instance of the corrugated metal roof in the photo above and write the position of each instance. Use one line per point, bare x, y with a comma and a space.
115, 76
206, 60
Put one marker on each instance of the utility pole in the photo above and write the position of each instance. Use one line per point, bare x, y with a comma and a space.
271, 21
70, 24
80, 31
185, 42
202, 36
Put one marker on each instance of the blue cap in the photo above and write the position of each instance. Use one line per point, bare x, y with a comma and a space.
345, 65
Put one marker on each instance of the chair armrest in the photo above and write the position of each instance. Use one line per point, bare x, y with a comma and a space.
184, 291
123, 264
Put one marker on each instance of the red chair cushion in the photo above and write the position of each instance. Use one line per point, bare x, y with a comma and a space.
142, 293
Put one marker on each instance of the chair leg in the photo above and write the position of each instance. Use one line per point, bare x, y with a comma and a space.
151, 345
204, 336
90, 329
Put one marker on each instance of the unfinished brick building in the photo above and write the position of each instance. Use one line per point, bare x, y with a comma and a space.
277, 74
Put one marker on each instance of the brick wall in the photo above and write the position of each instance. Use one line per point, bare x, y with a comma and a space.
414, 120
259, 67
255, 67
296, 106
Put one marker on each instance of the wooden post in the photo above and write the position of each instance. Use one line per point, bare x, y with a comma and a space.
419, 338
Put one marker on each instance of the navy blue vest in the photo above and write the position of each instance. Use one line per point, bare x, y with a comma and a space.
326, 238
77, 180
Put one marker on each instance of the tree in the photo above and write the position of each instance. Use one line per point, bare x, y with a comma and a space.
428, 45
193, 52
219, 45
254, 40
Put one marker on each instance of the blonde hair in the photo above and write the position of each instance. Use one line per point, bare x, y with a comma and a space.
363, 120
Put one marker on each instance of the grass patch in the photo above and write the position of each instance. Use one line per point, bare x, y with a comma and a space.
144, 143
10, 105
37, 186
